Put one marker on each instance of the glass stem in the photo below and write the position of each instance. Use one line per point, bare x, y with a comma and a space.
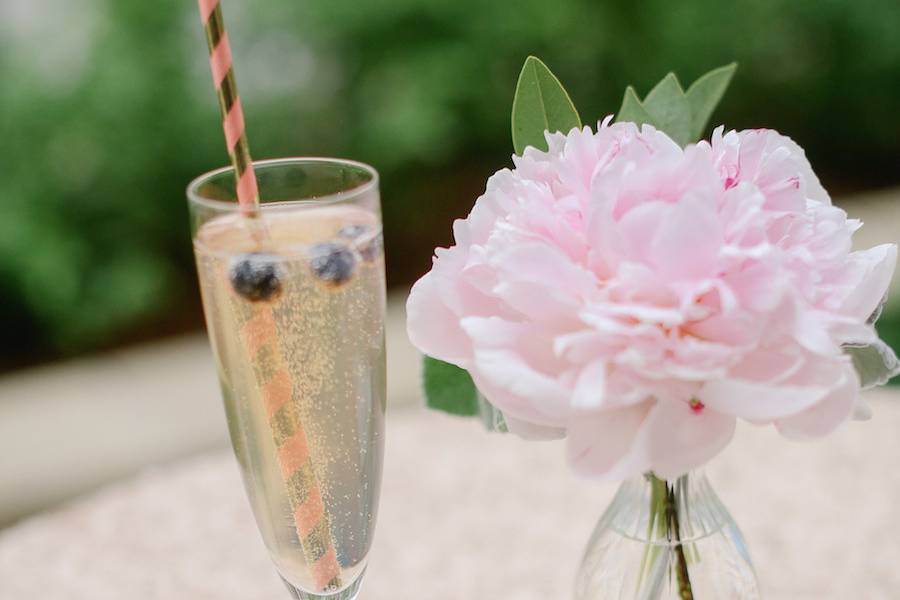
670, 506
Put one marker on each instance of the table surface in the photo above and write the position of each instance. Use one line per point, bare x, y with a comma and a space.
466, 515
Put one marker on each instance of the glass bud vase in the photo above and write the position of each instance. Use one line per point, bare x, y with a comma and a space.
666, 540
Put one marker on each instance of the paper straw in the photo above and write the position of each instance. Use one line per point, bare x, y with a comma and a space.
259, 336
230, 104
277, 391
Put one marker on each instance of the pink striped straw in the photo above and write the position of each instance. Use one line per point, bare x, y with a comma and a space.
230, 104
277, 392
310, 516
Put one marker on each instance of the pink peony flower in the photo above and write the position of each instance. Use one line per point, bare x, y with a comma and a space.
639, 298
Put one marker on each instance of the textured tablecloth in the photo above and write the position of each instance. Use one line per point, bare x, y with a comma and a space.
470, 515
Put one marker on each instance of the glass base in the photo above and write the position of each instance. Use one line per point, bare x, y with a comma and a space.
351, 592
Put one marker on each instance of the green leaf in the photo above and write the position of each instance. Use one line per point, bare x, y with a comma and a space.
540, 104
682, 116
875, 363
449, 388
633, 110
704, 95
669, 107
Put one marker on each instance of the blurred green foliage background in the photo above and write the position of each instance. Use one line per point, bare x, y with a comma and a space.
107, 111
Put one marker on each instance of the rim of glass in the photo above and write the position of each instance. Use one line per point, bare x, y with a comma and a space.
195, 197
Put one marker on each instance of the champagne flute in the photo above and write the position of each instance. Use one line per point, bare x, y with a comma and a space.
294, 297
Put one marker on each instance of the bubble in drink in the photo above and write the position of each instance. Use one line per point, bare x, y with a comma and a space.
303, 383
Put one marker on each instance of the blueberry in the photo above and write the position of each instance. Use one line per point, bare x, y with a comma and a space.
256, 276
332, 262
369, 246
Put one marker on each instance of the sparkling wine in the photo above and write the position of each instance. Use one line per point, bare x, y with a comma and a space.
294, 302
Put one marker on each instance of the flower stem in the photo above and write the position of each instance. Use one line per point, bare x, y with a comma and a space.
685, 591
656, 526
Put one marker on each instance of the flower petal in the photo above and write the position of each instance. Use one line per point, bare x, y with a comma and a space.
877, 265
514, 407
833, 410
602, 444
432, 327
680, 438
759, 401
590, 387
